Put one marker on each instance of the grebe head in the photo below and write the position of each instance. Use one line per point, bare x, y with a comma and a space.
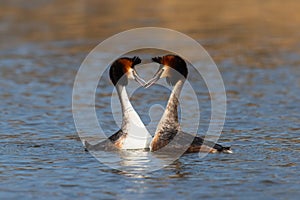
123, 69
172, 67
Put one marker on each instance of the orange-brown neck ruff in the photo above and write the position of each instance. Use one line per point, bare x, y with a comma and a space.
127, 64
118, 71
176, 63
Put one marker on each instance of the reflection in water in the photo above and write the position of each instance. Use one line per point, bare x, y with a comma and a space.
256, 47
138, 162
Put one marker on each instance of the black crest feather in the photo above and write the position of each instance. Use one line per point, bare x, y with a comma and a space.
157, 60
136, 60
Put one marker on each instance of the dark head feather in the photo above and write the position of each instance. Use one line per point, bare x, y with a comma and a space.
157, 60
177, 64
135, 60
120, 67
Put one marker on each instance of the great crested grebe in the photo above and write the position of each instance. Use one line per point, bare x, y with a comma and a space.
174, 69
133, 133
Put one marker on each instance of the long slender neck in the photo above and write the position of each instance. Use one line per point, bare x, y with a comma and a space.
132, 125
124, 100
169, 120
128, 112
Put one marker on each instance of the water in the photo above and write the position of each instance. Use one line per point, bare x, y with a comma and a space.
255, 45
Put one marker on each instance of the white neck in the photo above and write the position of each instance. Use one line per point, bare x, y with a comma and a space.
169, 119
137, 135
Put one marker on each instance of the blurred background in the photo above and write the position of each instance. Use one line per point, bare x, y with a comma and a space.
240, 25
254, 43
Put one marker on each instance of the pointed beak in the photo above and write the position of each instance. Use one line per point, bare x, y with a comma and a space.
155, 78
138, 79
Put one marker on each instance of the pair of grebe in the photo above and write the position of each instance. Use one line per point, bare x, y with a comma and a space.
168, 135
